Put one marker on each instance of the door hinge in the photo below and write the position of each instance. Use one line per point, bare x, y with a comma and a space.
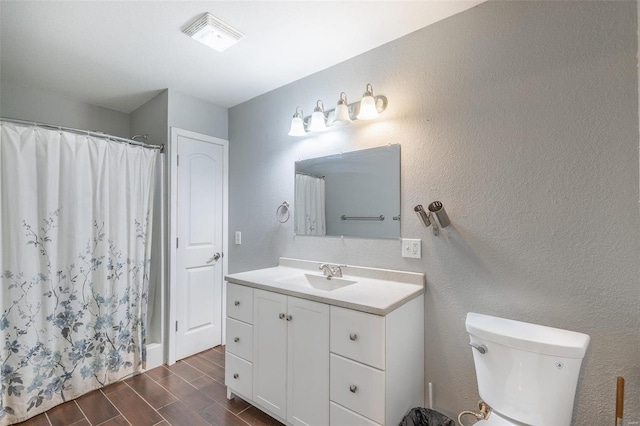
177, 242
177, 160
176, 325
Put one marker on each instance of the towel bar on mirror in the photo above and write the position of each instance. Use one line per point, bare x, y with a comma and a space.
345, 217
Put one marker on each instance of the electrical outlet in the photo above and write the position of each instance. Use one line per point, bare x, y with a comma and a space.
411, 248
238, 237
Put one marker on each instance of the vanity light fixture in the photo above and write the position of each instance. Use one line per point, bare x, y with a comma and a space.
318, 120
213, 33
367, 108
297, 124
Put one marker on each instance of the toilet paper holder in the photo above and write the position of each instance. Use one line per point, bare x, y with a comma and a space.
436, 216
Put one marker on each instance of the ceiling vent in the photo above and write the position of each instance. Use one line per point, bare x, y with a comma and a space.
213, 33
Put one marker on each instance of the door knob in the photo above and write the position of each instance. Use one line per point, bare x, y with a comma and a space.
215, 257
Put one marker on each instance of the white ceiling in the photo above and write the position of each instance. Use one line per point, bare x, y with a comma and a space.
119, 54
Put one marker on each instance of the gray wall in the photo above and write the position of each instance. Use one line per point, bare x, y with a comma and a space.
522, 118
152, 118
189, 113
26, 103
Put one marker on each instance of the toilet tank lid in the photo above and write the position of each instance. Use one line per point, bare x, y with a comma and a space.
528, 337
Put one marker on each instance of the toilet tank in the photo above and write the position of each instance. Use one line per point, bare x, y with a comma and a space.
529, 372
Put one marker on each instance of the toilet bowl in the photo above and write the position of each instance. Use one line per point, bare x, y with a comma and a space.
527, 374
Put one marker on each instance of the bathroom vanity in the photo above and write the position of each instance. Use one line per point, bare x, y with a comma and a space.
312, 350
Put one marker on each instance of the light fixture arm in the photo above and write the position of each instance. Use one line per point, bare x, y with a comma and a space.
369, 90
381, 105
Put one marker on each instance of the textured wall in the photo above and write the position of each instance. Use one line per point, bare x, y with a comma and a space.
196, 115
522, 118
151, 118
26, 103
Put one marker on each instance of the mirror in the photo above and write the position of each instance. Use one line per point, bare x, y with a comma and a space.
354, 194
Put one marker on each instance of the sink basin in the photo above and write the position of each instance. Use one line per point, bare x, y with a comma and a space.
319, 282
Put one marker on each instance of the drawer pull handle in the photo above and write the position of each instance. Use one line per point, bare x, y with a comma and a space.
236, 339
281, 316
353, 388
353, 336
236, 303
289, 317
236, 375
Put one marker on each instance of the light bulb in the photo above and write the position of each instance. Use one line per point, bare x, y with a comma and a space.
341, 113
368, 108
297, 124
318, 120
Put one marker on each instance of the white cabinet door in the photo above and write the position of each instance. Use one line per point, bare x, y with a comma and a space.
308, 363
270, 351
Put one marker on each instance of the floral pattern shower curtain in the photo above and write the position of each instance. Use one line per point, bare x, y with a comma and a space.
74, 265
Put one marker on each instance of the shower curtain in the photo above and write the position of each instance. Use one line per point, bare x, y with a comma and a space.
74, 265
309, 208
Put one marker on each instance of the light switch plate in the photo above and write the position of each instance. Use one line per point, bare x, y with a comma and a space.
238, 237
411, 248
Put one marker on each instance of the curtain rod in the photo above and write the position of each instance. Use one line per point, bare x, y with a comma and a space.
310, 175
84, 132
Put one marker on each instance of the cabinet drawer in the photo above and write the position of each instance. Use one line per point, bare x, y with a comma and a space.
340, 416
358, 336
240, 339
238, 375
240, 302
358, 387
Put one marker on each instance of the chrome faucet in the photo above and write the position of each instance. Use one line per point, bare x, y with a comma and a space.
331, 271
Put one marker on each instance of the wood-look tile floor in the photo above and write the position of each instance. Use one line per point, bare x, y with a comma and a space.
189, 393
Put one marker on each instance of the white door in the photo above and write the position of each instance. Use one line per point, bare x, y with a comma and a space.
308, 359
199, 243
270, 351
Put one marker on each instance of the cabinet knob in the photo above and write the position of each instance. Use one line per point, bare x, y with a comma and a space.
236, 375
236, 303
289, 317
236, 339
281, 316
353, 388
353, 336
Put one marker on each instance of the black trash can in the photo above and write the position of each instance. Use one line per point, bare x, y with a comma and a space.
425, 417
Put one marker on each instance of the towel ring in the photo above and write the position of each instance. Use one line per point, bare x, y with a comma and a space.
282, 212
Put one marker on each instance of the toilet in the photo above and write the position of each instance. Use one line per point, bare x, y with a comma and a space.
527, 374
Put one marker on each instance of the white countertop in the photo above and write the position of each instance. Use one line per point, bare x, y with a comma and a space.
376, 291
